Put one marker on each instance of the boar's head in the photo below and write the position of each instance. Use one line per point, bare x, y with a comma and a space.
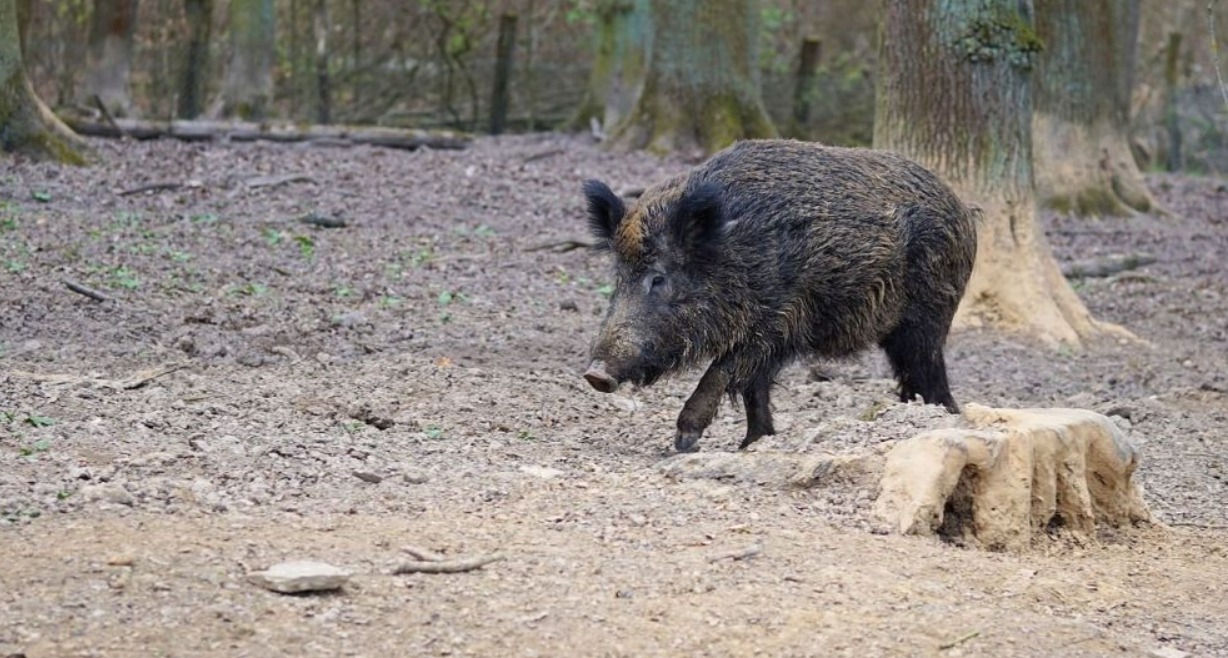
666, 249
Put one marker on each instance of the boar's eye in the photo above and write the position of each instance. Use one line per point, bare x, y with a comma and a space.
655, 283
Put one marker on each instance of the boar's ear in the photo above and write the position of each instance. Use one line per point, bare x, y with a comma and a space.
605, 211
699, 222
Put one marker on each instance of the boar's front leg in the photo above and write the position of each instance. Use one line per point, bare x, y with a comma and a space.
701, 407
758, 410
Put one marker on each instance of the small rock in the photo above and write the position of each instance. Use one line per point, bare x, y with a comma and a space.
81, 473
568, 305
368, 476
121, 561
542, 472
378, 420
350, 319
300, 576
111, 493
1169, 652
415, 477
624, 403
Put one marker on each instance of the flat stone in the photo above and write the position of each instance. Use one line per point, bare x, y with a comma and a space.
300, 576
1169, 652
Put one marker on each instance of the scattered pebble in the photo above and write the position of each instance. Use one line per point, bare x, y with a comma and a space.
542, 472
110, 492
368, 476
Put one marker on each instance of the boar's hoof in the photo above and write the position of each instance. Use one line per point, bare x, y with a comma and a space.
599, 379
686, 441
748, 442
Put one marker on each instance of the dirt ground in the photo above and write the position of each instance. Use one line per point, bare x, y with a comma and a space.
413, 379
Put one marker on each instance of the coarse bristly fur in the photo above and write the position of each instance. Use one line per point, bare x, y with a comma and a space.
775, 249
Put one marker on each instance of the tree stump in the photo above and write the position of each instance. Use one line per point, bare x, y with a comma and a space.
1017, 474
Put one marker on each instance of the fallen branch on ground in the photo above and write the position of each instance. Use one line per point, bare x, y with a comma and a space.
423, 555
740, 554
446, 566
1106, 266
135, 380
239, 131
274, 181
160, 187
106, 114
87, 291
542, 156
562, 246
323, 221
958, 641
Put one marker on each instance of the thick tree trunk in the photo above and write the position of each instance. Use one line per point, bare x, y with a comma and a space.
26, 125
248, 85
623, 46
955, 94
701, 91
108, 65
1083, 85
192, 86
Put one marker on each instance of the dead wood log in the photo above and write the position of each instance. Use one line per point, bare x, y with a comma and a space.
1106, 266
238, 131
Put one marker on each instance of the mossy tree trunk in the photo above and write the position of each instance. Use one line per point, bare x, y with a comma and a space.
26, 125
1083, 84
192, 87
108, 65
247, 88
955, 94
623, 45
701, 88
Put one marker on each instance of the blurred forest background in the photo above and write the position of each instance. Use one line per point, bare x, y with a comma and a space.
432, 64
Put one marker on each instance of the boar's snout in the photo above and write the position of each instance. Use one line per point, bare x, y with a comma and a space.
599, 379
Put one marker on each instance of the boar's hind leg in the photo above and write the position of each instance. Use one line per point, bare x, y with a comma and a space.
915, 352
701, 407
758, 410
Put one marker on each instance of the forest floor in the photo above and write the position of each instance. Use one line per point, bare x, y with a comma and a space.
414, 379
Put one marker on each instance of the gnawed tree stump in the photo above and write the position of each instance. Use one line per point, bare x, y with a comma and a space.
1016, 474
241, 131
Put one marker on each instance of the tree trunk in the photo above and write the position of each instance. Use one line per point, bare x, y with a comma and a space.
1084, 84
803, 87
26, 125
955, 94
192, 88
108, 65
321, 26
248, 85
500, 98
25, 13
701, 90
623, 46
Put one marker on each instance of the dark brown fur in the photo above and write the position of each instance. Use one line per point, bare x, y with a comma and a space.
776, 249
